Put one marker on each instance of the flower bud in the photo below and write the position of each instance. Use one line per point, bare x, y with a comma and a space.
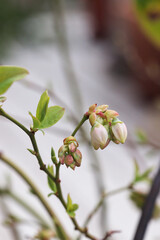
68, 160
92, 108
77, 155
92, 118
110, 114
99, 136
72, 147
69, 154
119, 131
69, 140
102, 108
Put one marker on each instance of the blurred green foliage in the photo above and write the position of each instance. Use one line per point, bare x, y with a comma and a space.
148, 13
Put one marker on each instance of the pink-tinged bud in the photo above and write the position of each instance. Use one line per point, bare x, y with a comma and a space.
69, 154
68, 160
72, 147
72, 166
120, 132
77, 155
61, 159
62, 150
92, 108
69, 140
92, 118
99, 136
111, 114
102, 108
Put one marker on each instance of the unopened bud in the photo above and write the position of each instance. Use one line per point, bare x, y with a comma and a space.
72, 147
68, 160
99, 136
92, 118
77, 155
120, 132
102, 108
110, 114
92, 108
69, 154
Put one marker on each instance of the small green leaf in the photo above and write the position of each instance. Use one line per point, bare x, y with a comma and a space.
51, 184
140, 177
53, 156
71, 214
36, 122
144, 176
10, 74
31, 151
75, 207
69, 203
53, 115
50, 194
42, 106
71, 208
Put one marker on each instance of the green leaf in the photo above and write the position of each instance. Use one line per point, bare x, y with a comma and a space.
53, 156
144, 176
75, 207
10, 74
71, 214
31, 151
36, 122
50, 194
53, 115
138, 177
42, 106
51, 184
69, 203
71, 208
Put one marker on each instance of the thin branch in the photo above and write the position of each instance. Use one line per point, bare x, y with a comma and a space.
33, 140
79, 125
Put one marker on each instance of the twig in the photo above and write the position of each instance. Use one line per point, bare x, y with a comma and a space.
33, 140
55, 179
109, 234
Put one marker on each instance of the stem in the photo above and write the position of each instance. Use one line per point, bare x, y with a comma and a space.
17, 199
4, 114
33, 140
61, 198
85, 117
38, 156
60, 230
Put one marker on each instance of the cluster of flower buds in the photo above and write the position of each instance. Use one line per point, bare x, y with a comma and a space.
69, 154
106, 126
